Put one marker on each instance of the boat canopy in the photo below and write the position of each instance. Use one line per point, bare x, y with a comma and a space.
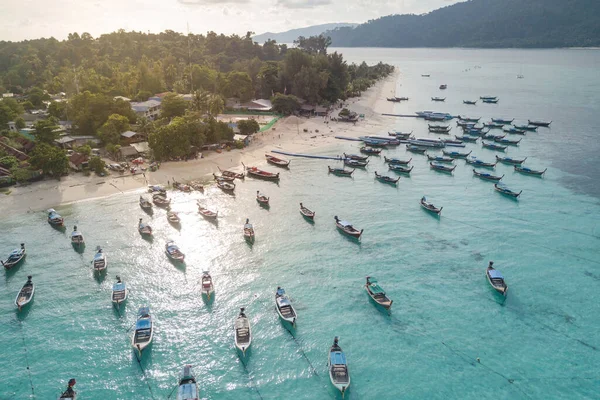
119, 286
143, 324
494, 273
143, 311
172, 248
345, 224
187, 391
338, 358
283, 301
280, 291
241, 323
15, 253
375, 288
248, 226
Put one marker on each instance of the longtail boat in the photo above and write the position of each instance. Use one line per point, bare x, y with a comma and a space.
280, 162
260, 174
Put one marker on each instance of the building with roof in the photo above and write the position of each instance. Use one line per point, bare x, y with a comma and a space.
78, 161
128, 152
149, 109
257, 105
129, 137
69, 142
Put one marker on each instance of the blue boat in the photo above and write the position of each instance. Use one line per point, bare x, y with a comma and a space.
479, 163
119, 292
441, 159
495, 279
507, 141
502, 121
355, 163
486, 176
441, 167
530, 171
493, 125
284, 307
490, 101
488, 97
415, 149
531, 128
514, 131
396, 161
469, 139
456, 154
15, 257
54, 218
387, 139
509, 160
99, 262
493, 146
338, 368
188, 387
144, 330
469, 119
501, 188
375, 143
400, 168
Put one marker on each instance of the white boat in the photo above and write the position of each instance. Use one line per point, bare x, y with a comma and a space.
208, 287
15, 257
144, 229
284, 307
243, 332
173, 217
248, 231
427, 142
188, 387
119, 292
145, 204
99, 262
173, 252
25, 294
495, 279
377, 293
206, 213
77, 237
338, 368
144, 330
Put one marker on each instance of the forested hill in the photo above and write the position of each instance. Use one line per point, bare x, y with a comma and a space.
483, 23
293, 34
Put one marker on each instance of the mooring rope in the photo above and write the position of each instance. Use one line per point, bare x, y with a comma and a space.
145, 376
26, 357
250, 378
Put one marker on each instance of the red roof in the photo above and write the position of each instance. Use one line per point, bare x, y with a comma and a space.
77, 158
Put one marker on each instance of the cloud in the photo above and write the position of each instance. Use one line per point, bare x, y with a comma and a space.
210, 2
303, 3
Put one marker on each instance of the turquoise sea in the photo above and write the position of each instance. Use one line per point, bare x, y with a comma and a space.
448, 335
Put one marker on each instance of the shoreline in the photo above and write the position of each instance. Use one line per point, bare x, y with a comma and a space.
292, 134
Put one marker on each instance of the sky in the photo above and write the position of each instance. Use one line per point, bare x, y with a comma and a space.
31, 19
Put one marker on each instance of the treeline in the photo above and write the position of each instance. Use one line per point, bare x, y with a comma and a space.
138, 65
483, 23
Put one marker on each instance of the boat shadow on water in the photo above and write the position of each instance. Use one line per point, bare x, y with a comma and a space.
208, 301
145, 360
59, 228
148, 238
180, 265
99, 276
21, 315
350, 239
79, 248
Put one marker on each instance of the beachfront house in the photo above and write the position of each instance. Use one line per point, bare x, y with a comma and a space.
78, 161
129, 137
127, 152
149, 109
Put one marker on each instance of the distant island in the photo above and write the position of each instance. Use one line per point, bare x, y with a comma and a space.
483, 23
293, 34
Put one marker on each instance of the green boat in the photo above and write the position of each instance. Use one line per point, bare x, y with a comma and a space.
377, 293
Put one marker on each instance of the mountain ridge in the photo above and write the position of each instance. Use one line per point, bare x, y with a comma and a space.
292, 34
483, 23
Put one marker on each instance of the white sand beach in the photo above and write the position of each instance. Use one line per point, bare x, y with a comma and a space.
287, 134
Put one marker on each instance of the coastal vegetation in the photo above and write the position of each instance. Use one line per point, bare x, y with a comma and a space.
482, 23
89, 83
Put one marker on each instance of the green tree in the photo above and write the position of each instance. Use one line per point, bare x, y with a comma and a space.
111, 130
85, 150
50, 159
20, 123
170, 141
97, 165
268, 79
285, 104
314, 44
9, 162
21, 174
37, 96
172, 106
248, 126
57, 110
239, 85
216, 105
27, 105
6, 115
45, 131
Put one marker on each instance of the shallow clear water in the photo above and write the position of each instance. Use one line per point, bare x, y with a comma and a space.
542, 342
